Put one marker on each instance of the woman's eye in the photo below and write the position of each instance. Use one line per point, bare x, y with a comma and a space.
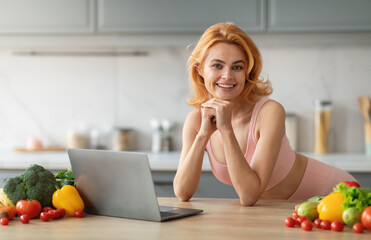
237, 68
217, 66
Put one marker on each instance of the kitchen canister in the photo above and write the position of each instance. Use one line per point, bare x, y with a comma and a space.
291, 123
364, 103
368, 138
322, 124
122, 139
77, 138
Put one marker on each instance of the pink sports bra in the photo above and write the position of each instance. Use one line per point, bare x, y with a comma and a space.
284, 163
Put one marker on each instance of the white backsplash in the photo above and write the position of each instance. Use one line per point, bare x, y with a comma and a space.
46, 96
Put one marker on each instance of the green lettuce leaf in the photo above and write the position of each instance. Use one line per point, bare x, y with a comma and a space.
359, 198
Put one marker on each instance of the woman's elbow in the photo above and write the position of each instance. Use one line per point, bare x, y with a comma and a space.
183, 196
248, 199
247, 202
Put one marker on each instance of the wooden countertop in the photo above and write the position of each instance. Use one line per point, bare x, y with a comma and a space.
221, 219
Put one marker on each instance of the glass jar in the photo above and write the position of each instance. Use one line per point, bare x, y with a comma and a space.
322, 124
122, 139
77, 138
292, 130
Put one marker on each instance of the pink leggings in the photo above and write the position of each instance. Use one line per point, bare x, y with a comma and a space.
319, 179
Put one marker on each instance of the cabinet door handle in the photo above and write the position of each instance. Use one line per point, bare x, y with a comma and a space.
163, 182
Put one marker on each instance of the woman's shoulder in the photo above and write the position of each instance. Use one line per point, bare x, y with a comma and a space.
194, 118
274, 109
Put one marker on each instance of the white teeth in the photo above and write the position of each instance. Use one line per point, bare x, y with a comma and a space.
225, 85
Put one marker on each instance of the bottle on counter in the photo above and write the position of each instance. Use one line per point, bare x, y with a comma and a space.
157, 135
166, 126
100, 138
322, 123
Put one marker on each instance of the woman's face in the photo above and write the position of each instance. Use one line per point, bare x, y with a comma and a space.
224, 71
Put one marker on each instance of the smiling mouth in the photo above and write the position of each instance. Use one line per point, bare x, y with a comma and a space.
227, 86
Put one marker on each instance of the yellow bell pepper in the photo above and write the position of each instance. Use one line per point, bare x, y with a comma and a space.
68, 198
330, 207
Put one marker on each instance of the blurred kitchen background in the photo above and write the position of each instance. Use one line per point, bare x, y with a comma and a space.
90, 67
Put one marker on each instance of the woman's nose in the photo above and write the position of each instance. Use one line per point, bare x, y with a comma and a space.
226, 74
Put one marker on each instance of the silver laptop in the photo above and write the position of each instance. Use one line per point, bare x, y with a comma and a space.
119, 184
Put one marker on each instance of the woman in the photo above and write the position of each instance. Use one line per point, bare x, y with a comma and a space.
242, 130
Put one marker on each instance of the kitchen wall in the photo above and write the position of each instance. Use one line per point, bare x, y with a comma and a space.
46, 96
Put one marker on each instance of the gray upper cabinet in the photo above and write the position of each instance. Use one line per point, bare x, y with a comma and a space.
46, 16
318, 15
168, 16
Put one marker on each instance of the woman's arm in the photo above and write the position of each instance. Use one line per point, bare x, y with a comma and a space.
196, 133
250, 180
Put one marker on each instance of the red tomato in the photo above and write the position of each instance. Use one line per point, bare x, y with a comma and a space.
25, 218
337, 226
30, 207
301, 219
317, 223
79, 213
45, 216
306, 225
358, 228
366, 218
46, 209
326, 225
54, 214
61, 212
4, 221
290, 222
295, 215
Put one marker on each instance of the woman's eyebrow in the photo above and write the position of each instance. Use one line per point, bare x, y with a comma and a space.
218, 60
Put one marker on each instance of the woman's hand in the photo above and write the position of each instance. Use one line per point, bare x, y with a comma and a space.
219, 112
208, 121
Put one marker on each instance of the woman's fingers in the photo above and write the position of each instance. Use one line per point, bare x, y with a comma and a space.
208, 112
215, 103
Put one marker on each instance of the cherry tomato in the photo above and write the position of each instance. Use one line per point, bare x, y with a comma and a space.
358, 228
290, 222
61, 212
32, 208
366, 217
317, 223
295, 215
4, 221
300, 219
54, 214
326, 225
46, 209
306, 225
79, 213
25, 218
45, 216
337, 226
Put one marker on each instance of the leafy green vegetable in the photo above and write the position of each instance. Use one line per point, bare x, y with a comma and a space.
35, 183
65, 177
359, 198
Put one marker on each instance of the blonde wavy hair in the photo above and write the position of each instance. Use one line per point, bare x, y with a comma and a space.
227, 33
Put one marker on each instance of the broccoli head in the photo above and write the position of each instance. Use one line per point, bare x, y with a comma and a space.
35, 183
15, 189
